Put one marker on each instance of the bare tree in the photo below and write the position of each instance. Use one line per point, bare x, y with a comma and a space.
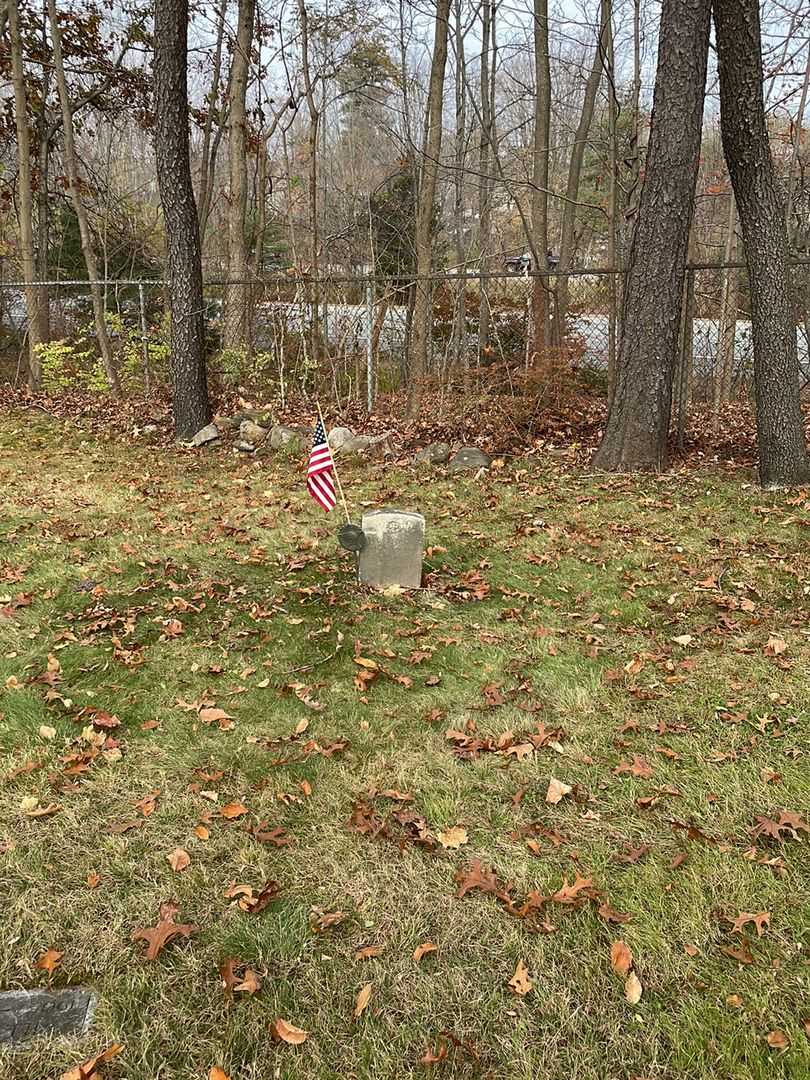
569, 213
420, 328
638, 421
237, 311
33, 297
74, 188
540, 160
192, 410
780, 432
212, 136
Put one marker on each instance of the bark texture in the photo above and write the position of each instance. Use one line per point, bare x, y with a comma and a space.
780, 433
539, 332
33, 297
638, 421
72, 167
192, 409
237, 313
418, 352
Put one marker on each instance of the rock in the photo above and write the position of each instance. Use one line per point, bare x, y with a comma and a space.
258, 416
469, 459
395, 545
226, 423
338, 437
246, 447
281, 436
437, 453
375, 447
205, 435
251, 432
26, 1013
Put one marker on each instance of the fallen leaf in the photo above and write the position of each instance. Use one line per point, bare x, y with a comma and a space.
760, 919
777, 1040
621, 958
233, 810
775, 646
557, 790
47, 732
323, 920
283, 1031
49, 961
453, 837
178, 859
162, 933
520, 983
368, 952
89, 1070
213, 716
217, 1074
201, 832
632, 988
93, 880
363, 998
423, 949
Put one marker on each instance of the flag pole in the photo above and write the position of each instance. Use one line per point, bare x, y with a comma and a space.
334, 466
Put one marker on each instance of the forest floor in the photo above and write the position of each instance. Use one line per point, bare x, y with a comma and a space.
545, 818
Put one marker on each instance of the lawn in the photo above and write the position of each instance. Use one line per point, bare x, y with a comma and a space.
199, 706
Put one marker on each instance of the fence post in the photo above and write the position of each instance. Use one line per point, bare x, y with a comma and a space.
370, 344
147, 380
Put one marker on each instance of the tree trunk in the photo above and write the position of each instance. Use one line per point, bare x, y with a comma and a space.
727, 318
192, 410
484, 182
780, 433
312, 193
208, 155
33, 304
43, 203
237, 322
575, 170
540, 153
421, 324
459, 354
638, 421
72, 168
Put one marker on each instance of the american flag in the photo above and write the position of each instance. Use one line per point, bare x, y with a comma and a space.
320, 474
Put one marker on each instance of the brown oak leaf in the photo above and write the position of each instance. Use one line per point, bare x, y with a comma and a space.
162, 933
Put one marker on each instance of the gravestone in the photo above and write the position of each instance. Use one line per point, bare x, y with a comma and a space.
394, 548
26, 1013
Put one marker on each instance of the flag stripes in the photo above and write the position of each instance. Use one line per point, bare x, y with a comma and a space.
320, 472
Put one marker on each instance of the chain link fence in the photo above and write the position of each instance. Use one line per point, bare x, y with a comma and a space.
285, 334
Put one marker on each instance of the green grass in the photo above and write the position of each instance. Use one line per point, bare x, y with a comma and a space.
586, 582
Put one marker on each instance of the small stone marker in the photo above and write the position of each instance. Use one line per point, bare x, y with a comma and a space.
395, 545
27, 1013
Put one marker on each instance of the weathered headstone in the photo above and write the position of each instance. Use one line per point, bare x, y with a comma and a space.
394, 548
27, 1013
